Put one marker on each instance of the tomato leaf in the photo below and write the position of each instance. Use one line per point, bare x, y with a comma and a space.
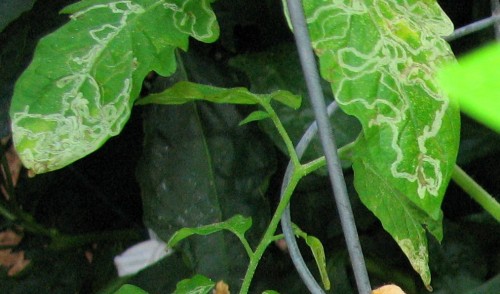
198, 169
98, 60
183, 92
238, 225
196, 285
255, 116
318, 252
381, 59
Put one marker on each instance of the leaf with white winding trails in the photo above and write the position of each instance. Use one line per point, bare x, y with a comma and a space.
84, 78
381, 58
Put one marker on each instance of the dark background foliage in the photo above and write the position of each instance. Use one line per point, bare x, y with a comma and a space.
190, 165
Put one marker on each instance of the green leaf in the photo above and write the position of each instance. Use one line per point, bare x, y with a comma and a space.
474, 83
183, 92
238, 225
318, 252
270, 292
255, 116
399, 216
196, 285
130, 289
381, 58
84, 77
11, 9
199, 167
18, 43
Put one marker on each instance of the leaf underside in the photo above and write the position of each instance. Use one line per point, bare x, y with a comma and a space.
381, 58
80, 87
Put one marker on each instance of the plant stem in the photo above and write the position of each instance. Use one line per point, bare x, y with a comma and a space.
314, 164
284, 135
245, 243
271, 229
476, 192
345, 153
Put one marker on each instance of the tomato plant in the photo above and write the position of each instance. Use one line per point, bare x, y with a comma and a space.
206, 101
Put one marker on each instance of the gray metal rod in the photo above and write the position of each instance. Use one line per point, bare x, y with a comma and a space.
473, 27
286, 223
311, 76
495, 11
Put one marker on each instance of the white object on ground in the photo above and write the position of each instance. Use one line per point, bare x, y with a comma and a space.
141, 255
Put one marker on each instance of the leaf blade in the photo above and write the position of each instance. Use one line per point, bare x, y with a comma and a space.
398, 215
318, 253
238, 225
381, 63
196, 285
64, 111
255, 116
183, 92
381, 59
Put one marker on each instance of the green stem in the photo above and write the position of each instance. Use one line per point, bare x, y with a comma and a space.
278, 237
284, 135
247, 246
345, 153
271, 229
476, 192
314, 165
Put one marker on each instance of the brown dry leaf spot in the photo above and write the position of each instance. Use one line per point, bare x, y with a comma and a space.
14, 163
221, 288
13, 261
388, 289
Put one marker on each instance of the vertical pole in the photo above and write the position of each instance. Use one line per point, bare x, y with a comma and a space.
495, 10
311, 76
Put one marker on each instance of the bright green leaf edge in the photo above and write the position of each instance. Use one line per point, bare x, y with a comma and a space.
473, 81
